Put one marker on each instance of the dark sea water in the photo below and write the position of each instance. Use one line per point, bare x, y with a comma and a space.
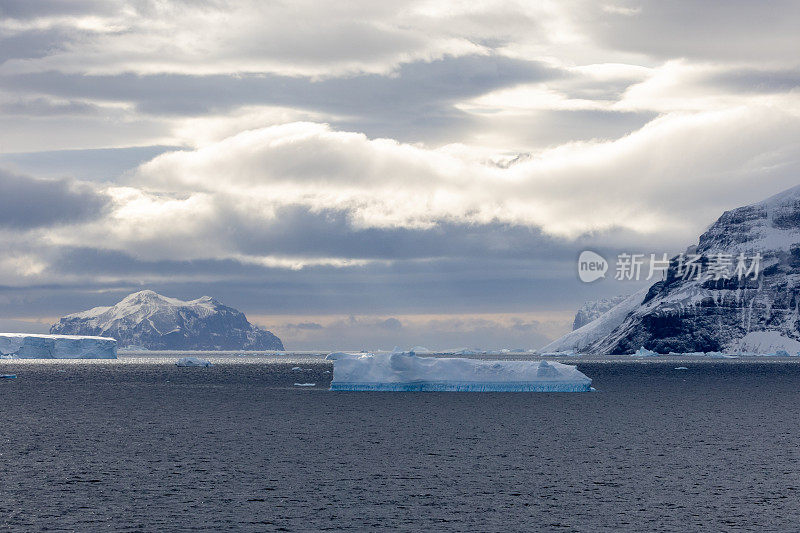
144, 446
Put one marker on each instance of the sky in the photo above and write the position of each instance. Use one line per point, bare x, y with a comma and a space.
361, 174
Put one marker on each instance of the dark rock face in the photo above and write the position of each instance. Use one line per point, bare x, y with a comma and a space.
708, 315
159, 323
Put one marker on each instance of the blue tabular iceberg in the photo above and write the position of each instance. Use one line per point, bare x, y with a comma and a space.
32, 346
408, 372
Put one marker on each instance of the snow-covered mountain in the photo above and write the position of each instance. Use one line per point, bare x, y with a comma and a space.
685, 314
581, 339
159, 323
593, 309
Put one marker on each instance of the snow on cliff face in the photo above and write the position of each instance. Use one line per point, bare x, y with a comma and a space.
408, 372
160, 323
592, 310
706, 315
29, 346
585, 336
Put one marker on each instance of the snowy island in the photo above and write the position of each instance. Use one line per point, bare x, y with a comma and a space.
405, 371
148, 320
31, 346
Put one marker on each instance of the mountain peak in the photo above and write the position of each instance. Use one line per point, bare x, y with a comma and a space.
157, 322
142, 296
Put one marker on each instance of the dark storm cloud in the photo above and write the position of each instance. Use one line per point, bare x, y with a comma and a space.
438, 286
300, 231
456, 269
29, 203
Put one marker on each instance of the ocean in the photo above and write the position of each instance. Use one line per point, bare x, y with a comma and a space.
139, 444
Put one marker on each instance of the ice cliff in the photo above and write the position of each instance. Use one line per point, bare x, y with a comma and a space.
29, 346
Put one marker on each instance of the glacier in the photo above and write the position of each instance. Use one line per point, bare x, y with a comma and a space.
405, 371
32, 346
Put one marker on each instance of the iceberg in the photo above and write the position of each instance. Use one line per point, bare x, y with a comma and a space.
193, 361
339, 355
405, 371
133, 348
32, 346
644, 352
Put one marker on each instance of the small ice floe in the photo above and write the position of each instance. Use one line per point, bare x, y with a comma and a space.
567, 353
304, 384
193, 361
720, 355
778, 353
327, 372
681, 368
8, 376
6, 356
296, 369
644, 352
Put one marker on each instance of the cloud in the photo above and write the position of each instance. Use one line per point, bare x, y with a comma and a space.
305, 325
31, 203
301, 38
729, 31
87, 165
417, 102
672, 176
25, 10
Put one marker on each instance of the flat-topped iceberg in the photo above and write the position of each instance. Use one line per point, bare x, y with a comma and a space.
32, 346
408, 372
